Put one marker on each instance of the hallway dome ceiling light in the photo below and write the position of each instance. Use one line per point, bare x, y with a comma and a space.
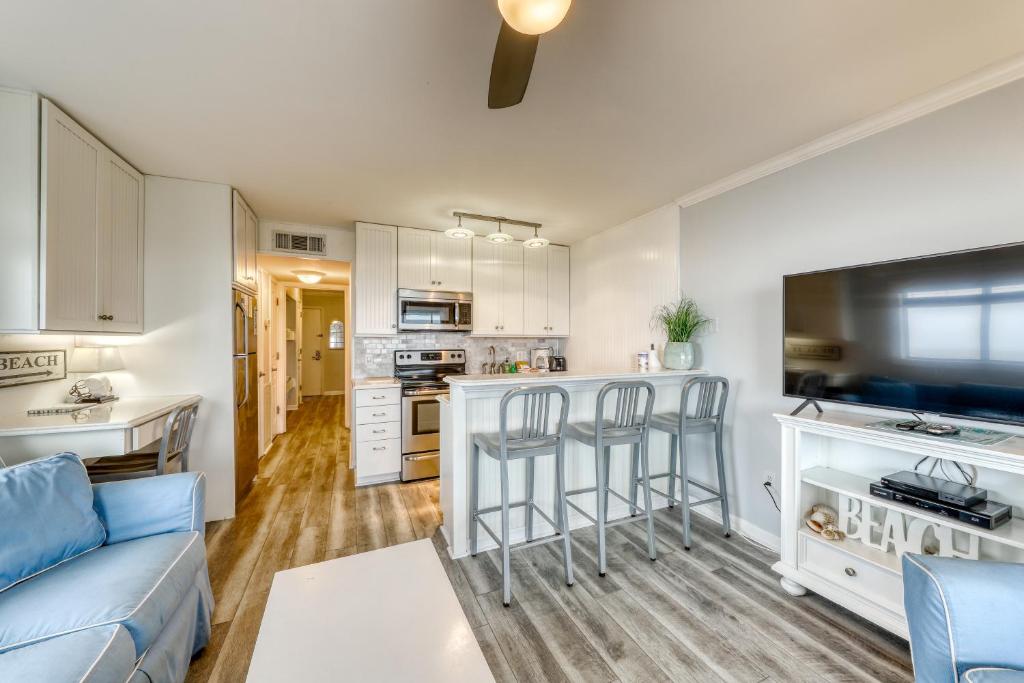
310, 277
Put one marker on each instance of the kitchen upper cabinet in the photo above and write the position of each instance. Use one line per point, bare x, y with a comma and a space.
376, 279
430, 260
244, 233
91, 232
497, 288
415, 255
546, 283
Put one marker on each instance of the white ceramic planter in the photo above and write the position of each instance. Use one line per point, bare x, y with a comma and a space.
679, 355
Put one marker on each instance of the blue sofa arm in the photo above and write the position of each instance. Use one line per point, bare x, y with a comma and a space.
155, 505
962, 615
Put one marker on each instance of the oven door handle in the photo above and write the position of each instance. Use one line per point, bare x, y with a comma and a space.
417, 458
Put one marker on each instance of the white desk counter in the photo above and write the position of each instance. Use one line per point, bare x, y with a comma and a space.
108, 429
473, 408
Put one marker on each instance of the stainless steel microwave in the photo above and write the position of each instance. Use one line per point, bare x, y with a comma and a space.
420, 310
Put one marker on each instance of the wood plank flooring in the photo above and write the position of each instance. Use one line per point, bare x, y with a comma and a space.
716, 613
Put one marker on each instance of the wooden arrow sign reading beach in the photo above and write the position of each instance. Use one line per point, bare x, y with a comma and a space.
28, 367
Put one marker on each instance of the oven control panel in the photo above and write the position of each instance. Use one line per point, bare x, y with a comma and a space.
443, 357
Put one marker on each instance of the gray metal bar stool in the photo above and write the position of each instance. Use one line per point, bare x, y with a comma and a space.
151, 460
707, 417
628, 426
536, 437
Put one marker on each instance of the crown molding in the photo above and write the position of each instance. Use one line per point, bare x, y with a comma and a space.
976, 83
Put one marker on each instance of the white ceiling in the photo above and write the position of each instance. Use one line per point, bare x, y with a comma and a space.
283, 269
327, 111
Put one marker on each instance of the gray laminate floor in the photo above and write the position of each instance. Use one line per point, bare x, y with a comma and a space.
716, 613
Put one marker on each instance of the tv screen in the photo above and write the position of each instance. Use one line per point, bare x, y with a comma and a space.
938, 334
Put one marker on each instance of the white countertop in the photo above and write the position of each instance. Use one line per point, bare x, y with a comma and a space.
374, 383
571, 376
124, 413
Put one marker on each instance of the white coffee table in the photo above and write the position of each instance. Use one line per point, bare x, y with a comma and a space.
386, 615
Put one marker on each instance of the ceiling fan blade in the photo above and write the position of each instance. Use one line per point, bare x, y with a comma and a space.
510, 70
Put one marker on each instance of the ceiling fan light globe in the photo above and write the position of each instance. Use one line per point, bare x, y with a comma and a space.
536, 243
310, 277
533, 17
499, 238
459, 233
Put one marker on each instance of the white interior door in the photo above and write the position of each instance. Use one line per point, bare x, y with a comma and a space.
312, 352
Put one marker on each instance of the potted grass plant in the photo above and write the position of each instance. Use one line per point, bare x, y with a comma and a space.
681, 320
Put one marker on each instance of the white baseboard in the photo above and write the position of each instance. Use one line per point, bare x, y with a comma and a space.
338, 392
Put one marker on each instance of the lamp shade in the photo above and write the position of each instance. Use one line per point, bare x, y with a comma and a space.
95, 359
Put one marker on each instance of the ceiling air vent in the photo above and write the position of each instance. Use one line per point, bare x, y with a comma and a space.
299, 243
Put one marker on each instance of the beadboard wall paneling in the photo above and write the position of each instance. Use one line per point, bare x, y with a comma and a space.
617, 278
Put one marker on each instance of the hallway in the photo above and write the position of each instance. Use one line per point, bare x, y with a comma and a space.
303, 509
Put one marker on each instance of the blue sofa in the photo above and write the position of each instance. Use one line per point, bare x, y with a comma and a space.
134, 607
965, 618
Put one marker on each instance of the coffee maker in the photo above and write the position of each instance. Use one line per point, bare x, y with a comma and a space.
557, 364
540, 357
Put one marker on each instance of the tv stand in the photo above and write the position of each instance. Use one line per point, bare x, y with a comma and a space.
808, 402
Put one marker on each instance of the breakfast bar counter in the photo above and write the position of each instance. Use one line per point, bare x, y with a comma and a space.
473, 408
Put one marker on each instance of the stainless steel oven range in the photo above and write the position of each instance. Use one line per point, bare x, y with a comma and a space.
421, 374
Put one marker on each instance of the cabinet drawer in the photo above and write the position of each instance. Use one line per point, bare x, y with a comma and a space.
375, 431
148, 432
378, 397
374, 458
828, 560
373, 414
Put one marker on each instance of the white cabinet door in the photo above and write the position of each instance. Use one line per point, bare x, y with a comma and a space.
535, 292
487, 277
558, 290
512, 288
19, 210
452, 263
70, 199
120, 245
414, 259
238, 238
376, 279
244, 232
252, 229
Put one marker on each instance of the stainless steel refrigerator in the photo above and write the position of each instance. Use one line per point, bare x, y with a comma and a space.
246, 402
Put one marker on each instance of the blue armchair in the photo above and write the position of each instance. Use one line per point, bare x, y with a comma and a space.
106, 583
965, 618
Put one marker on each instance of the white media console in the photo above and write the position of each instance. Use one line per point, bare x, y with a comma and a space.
832, 458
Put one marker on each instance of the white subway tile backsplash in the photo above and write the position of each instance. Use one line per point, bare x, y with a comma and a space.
375, 356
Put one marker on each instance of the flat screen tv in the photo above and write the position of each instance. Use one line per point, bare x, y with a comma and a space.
939, 334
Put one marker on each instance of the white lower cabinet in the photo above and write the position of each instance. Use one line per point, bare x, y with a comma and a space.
378, 434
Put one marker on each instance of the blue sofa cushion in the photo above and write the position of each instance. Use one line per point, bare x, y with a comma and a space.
104, 654
48, 517
988, 674
136, 583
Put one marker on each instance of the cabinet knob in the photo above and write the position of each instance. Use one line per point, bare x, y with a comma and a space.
850, 571
393, 325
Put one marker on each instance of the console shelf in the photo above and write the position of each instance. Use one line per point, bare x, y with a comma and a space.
838, 453
855, 486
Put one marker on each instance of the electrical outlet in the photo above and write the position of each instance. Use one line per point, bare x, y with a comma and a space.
769, 477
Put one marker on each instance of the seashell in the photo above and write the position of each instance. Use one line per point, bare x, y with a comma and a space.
831, 533
820, 517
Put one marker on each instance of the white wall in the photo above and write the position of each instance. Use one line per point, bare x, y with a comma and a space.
617, 277
951, 180
187, 345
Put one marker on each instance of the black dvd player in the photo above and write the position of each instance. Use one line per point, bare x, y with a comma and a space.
987, 514
933, 488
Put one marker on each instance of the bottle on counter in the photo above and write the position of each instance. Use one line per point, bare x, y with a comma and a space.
653, 362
